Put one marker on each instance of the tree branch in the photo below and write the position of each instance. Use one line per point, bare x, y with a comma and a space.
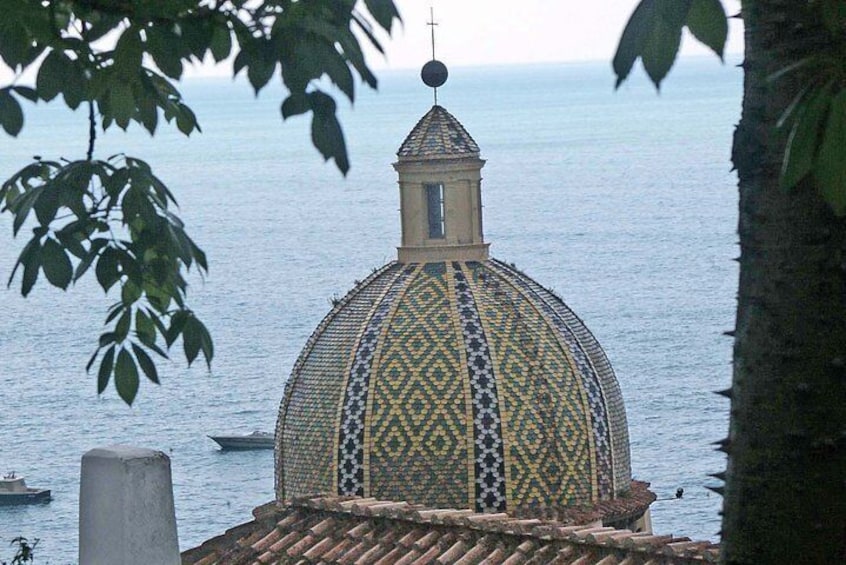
92, 130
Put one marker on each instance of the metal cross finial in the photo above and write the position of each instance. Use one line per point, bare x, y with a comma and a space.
432, 23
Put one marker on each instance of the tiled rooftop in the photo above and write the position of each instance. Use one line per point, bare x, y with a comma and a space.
350, 530
438, 135
431, 375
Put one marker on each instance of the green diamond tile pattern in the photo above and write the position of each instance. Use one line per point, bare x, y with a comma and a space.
539, 375
418, 420
307, 426
353, 418
548, 437
612, 395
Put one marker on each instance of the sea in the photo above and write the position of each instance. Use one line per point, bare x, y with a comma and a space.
622, 201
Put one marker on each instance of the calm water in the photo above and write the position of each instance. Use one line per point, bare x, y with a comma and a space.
621, 202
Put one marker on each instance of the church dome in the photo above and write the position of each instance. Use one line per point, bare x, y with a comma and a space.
448, 378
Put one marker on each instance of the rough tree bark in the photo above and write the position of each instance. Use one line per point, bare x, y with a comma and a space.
785, 495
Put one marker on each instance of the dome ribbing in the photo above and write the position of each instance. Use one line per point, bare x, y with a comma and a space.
463, 385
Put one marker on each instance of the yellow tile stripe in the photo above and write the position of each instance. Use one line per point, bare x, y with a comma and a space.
345, 382
377, 358
582, 392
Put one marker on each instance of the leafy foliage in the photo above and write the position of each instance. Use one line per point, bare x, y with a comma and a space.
122, 59
25, 552
815, 121
114, 216
654, 32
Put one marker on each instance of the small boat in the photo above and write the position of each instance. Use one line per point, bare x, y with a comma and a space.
255, 440
13, 490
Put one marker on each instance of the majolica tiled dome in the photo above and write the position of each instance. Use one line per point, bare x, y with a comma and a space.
449, 379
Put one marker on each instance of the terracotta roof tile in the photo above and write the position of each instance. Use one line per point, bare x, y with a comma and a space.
392, 557
411, 537
352, 555
373, 554
454, 553
338, 550
318, 549
542, 556
410, 556
429, 557
341, 530
496, 557
475, 553
564, 555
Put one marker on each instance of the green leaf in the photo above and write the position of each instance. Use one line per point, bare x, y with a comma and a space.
115, 310
146, 363
30, 258
121, 104
633, 39
295, 104
707, 21
73, 87
660, 49
90, 255
192, 338
70, 236
384, 12
186, 121
105, 372
221, 42
177, 323
56, 264
326, 133
13, 44
260, 62
102, 24
830, 167
130, 293
51, 75
107, 269
127, 56
803, 141
148, 113
206, 344
108, 337
32, 265
126, 377
165, 47
47, 204
145, 329
11, 115
195, 37
22, 205
26, 92
122, 327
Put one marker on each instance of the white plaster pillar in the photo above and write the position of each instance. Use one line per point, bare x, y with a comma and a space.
126, 512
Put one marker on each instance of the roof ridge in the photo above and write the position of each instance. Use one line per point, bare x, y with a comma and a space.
343, 529
543, 529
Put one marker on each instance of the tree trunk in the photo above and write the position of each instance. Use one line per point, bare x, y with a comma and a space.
785, 496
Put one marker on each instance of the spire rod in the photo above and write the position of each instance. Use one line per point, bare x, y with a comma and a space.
434, 73
432, 23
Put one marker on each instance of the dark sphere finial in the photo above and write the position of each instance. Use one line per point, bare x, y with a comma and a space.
434, 73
